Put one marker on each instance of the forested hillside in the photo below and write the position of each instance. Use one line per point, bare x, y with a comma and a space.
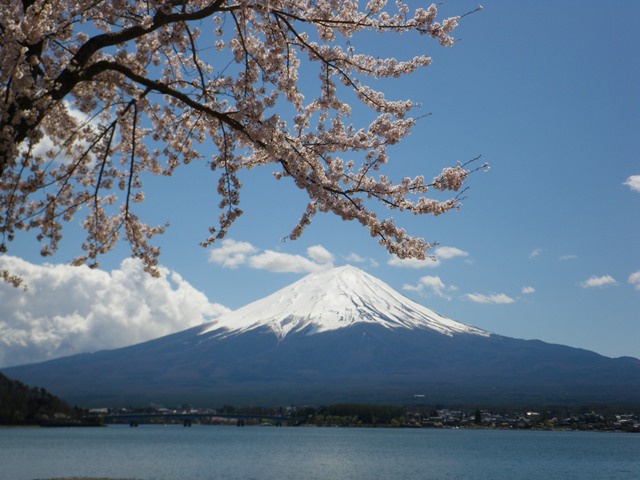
20, 404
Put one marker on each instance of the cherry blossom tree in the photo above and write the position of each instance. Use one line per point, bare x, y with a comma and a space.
96, 95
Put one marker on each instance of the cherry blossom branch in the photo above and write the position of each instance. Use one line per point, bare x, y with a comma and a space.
105, 65
78, 123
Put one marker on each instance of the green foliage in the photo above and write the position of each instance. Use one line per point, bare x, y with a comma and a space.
477, 417
21, 404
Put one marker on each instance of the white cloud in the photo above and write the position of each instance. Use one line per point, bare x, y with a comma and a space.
355, 258
603, 281
432, 283
564, 258
77, 309
231, 253
429, 262
446, 253
634, 279
528, 290
494, 298
319, 254
535, 253
285, 262
633, 182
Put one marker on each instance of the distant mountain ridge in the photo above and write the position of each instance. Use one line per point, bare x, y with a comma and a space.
337, 336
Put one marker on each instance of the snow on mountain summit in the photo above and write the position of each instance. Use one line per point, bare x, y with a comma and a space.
334, 299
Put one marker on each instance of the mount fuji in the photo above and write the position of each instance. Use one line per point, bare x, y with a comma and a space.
337, 336
338, 298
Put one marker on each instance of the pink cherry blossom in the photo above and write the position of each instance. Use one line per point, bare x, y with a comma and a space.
96, 96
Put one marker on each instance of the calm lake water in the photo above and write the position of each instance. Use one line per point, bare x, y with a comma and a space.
308, 453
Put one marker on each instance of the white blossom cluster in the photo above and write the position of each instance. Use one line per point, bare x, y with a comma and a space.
116, 90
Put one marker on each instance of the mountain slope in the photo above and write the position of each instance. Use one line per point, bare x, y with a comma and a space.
338, 336
335, 299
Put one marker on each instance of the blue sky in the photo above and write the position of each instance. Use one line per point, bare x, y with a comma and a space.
545, 245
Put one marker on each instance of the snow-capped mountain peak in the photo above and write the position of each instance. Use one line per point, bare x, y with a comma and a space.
333, 299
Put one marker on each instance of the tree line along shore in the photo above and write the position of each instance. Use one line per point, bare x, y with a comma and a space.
21, 404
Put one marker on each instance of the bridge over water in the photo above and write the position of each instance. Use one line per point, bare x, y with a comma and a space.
135, 419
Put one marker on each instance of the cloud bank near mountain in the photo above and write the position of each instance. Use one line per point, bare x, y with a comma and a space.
67, 310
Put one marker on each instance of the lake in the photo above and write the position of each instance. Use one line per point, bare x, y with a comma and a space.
154, 452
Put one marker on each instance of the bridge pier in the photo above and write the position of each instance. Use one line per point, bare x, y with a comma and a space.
240, 423
187, 423
133, 423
